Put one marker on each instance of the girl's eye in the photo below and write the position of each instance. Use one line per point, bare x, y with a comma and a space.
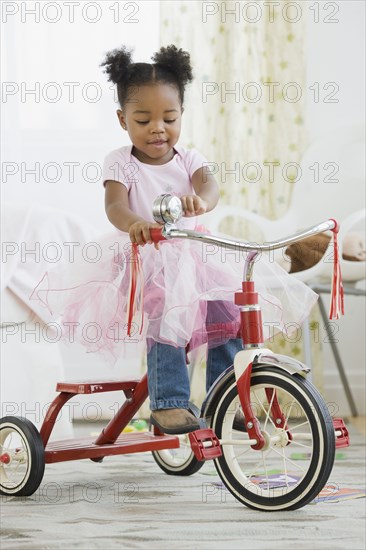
170, 121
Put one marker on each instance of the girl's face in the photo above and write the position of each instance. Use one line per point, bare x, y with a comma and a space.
152, 117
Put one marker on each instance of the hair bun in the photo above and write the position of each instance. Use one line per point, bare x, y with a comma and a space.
117, 63
176, 61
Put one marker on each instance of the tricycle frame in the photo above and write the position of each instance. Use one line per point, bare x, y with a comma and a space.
205, 444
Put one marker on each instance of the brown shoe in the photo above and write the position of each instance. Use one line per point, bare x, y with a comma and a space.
174, 421
239, 422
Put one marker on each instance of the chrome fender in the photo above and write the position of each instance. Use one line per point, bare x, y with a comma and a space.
262, 358
292, 366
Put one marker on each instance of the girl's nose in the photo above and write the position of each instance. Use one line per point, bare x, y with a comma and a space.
157, 128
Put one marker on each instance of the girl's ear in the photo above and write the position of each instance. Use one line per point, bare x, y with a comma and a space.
121, 119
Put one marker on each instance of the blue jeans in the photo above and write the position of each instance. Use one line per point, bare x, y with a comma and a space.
167, 372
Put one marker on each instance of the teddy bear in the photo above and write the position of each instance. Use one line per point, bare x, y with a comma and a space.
308, 252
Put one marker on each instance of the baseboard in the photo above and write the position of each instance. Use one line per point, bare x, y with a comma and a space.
335, 396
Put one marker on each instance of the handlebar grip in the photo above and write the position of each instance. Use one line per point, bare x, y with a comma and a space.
156, 235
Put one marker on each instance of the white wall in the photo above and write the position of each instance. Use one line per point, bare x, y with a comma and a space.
336, 54
76, 129
80, 130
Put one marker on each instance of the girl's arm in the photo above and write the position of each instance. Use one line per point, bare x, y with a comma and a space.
122, 217
206, 197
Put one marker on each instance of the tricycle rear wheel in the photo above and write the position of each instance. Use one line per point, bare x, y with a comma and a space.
178, 462
22, 460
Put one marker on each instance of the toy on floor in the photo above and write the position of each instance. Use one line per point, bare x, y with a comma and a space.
137, 425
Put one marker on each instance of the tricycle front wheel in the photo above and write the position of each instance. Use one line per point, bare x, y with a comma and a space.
295, 463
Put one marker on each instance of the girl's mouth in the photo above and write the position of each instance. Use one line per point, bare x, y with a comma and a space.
158, 143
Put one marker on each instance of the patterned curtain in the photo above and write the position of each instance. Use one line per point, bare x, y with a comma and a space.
245, 112
245, 108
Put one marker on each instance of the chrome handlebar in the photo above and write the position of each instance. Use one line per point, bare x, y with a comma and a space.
171, 232
167, 209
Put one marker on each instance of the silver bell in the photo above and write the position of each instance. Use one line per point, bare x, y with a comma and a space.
167, 209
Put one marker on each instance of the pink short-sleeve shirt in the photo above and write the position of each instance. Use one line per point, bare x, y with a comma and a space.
145, 182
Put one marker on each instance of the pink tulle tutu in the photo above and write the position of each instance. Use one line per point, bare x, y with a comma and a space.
184, 295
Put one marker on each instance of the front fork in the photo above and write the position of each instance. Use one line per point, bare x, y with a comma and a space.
205, 444
253, 352
252, 337
243, 365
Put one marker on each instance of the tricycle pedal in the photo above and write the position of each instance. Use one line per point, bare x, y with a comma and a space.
205, 444
341, 433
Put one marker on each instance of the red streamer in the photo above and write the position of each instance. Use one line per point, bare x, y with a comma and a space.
337, 293
136, 289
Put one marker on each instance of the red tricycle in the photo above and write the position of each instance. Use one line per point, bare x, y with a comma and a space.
279, 458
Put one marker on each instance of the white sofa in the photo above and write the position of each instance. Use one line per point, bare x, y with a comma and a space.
33, 357
32, 361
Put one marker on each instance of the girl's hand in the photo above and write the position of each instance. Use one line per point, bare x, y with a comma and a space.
140, 232
193, 205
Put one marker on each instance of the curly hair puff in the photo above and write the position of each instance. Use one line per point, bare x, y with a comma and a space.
171, 66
